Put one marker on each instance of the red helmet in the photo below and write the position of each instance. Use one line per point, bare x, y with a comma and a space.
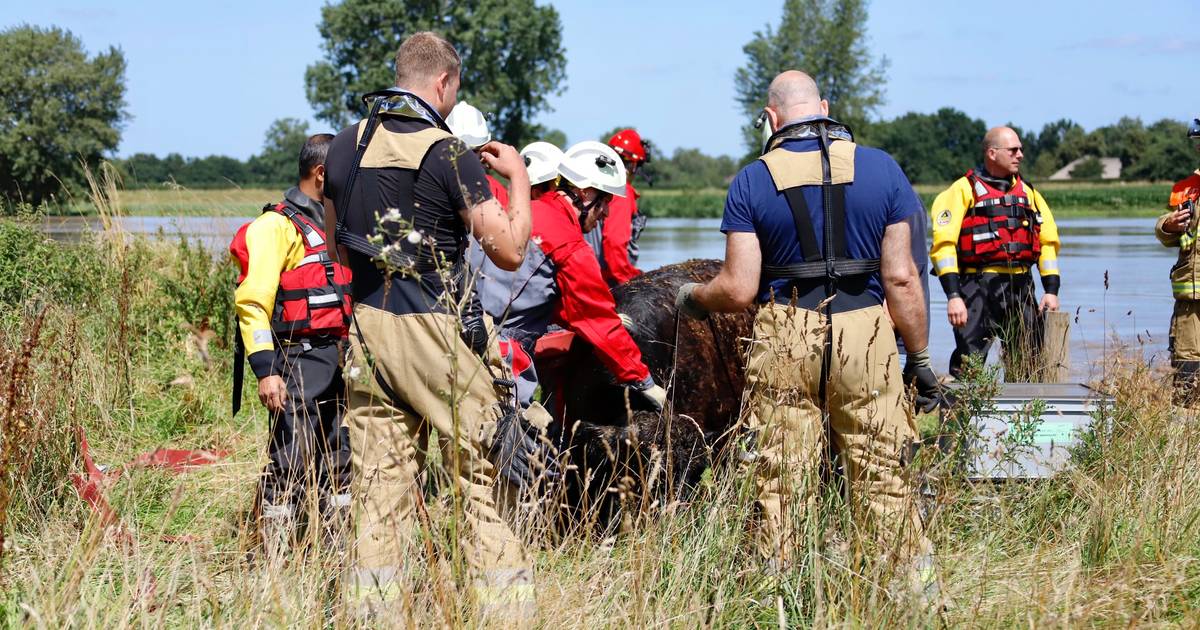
629, 145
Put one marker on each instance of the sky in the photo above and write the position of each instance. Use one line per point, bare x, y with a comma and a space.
209, 77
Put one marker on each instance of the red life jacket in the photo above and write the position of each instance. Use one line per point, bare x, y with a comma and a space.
1001, 228
314, 297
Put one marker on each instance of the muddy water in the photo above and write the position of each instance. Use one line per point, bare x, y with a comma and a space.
1114, 275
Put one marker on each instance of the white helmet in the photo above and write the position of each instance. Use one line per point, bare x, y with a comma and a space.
541, 160
591, 164
469, 125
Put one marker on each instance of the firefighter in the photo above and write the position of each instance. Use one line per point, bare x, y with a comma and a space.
292, 314
823, 373
404, 193
989, 228
615, 241
1178, 228
560, 281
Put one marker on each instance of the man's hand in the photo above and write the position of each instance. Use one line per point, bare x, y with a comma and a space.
956, 312
686, 303
651, 392
1049, 302
272, 392
918, 374
504, 159
1178, 222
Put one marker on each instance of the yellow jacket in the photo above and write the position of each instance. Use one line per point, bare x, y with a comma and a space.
946, 216
274, 245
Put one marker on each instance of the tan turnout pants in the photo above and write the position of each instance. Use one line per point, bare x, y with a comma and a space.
441, 385
869, 422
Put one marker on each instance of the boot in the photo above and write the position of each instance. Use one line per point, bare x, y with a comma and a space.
1187, 380
336, 521
276, 527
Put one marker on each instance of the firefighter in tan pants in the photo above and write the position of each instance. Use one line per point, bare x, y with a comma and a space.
403, 193
1178, 228
802, 370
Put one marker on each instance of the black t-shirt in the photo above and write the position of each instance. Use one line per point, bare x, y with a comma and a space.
430, 200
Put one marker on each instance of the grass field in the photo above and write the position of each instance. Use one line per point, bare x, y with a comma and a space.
1066, 200
107, 339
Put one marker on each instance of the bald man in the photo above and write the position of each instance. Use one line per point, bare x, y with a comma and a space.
989, 228
815, 387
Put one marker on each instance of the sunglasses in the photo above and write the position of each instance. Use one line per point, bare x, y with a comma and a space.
1011, 150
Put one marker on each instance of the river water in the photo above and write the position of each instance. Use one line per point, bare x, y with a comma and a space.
1114, 275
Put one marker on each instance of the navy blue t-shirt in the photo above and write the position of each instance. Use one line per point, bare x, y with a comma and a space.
879, 196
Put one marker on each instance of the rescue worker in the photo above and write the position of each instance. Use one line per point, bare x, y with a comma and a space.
615, 242
470, 125
405, 193
989, 228
292, 324
560, 281
1178, 228
818, 233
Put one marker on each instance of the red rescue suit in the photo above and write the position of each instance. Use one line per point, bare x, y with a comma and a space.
619, 241
1002, 227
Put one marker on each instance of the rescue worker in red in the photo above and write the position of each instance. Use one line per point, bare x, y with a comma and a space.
292, 323
1178, 228
615, 241
989, 228
560, 281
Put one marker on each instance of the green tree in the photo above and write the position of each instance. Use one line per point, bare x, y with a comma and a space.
277, 164
1169, 155
59, 110
1089, 168
825, 38
931, 148
512, 56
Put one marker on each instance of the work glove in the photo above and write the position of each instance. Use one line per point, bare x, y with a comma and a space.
518, 453
651, 392
626, 321
686, 304
918, 373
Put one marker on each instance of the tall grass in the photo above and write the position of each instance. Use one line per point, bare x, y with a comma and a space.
1112, 541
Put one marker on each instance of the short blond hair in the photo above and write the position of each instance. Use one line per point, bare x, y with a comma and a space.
424, 56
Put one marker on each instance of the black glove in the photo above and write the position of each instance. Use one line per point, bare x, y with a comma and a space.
918, 373
518, 453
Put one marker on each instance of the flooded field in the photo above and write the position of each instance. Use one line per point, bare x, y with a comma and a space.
1114, 274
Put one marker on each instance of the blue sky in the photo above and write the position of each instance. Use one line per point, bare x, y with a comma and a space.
209, 77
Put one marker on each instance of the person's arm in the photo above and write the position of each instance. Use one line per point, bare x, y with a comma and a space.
268, 241
902, 287
1048, 260
1170, 227
503, 235
947, 214
587, 309
736, 285
618, 229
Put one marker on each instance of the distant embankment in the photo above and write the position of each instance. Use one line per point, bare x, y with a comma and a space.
1066, 200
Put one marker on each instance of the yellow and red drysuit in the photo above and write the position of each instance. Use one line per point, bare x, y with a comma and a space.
987, 233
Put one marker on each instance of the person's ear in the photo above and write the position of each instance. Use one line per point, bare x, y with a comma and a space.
319, 173
442, 86
772, 118
825, 108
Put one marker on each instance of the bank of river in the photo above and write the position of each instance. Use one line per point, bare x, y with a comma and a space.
1114, 274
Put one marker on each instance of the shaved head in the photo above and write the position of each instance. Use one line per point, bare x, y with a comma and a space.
792, 88
1002, 152
1000, 137
793, 95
